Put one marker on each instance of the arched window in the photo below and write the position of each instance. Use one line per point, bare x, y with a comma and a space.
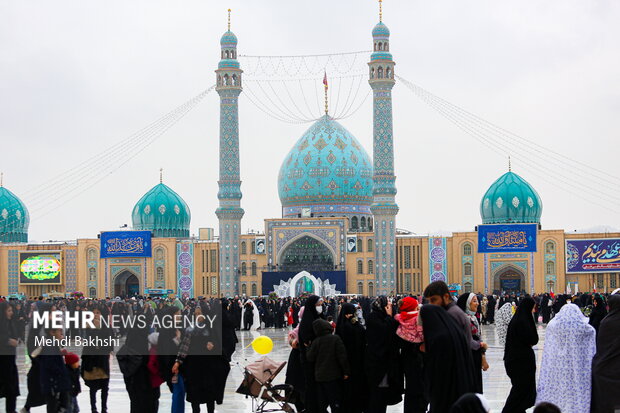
371, 289
226, 54
92, 254
92, 292
467, 287
254, 290
244, 249
226, 79
371, 267
159, 254
549, 248
372, 72
380, 72
467, 270
354, 223
234, 80
369, 224
550, 268
380, 46
360, 267
160, 274
467, 248
363, 223
370, 245
360, 245
388, 73
244, 289
386, 46
254, 268
233, 54
360, 288
253, 247
219, 80
244, 268
92, 274
550, 285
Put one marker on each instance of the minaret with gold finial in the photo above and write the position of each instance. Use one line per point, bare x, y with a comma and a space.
229, 212
384, 206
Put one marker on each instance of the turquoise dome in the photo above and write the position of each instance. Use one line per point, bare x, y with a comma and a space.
14, 217
162, 211
327, 171
510, 200
228, 39
380, 30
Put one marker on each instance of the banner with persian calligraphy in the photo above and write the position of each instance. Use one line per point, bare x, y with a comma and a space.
507, 238
117, 244
592, 255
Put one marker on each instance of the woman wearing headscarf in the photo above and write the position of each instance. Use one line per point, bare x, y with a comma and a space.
502, 319
353, 336
95, 369
599, 311
471, 403
606, 363
565, 373
9, 382
410, 340
382, 363
468, 302
168, 343
519, 358
313, 309
448, 367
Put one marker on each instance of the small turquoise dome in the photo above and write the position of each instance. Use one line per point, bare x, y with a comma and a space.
510, 200
327, 171
162, 211
380, 30
228, 39
14, 217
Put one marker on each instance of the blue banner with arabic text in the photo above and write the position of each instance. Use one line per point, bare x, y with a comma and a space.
125, 244
507, 238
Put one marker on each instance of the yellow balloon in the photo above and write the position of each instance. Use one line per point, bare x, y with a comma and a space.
262, 345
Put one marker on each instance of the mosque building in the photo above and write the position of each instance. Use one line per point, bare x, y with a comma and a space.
337, 233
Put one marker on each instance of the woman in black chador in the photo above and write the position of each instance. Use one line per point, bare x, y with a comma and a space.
204, 358
448, 366
353, 336
9, 384
519, 358
384, 372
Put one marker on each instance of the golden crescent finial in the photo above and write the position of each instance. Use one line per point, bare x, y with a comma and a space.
509, 164
380, 10
228, 19
161, 175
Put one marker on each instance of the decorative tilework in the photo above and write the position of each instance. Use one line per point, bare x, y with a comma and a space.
437, 259
13, 273
70, 266
185, 269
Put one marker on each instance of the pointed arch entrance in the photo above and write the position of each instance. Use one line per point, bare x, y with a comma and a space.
306, 253
126, 284
509, 278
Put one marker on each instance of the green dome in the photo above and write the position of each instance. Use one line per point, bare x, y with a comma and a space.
328, 171
162, 211
14, 217
510, 200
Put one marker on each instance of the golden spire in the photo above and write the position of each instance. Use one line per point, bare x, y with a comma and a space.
509, 164
380, 10
1, 179
161, 175
228, 19
326, 87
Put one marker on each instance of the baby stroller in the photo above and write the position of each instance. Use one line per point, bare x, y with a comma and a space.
257, 384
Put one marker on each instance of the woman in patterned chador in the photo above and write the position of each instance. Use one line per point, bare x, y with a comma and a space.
565, 373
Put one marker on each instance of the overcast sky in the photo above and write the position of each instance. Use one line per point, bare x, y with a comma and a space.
79, 76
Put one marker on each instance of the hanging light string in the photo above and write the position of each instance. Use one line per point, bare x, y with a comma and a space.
502, 142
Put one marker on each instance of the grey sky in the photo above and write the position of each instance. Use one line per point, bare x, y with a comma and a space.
78, 76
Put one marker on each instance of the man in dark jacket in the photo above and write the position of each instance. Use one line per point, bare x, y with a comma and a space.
331, 365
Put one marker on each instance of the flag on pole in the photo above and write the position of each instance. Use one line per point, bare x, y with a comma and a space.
594, 287
552, 294
568, 291
325, 80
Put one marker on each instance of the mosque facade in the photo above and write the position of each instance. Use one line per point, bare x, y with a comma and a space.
337, 233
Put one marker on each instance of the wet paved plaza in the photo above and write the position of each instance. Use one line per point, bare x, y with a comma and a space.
496, 383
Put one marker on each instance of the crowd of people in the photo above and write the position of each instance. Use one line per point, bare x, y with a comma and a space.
347, 354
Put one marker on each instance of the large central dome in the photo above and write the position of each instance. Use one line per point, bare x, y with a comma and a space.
328, 172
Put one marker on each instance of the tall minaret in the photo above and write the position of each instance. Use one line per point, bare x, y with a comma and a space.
384, 206
229, 212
